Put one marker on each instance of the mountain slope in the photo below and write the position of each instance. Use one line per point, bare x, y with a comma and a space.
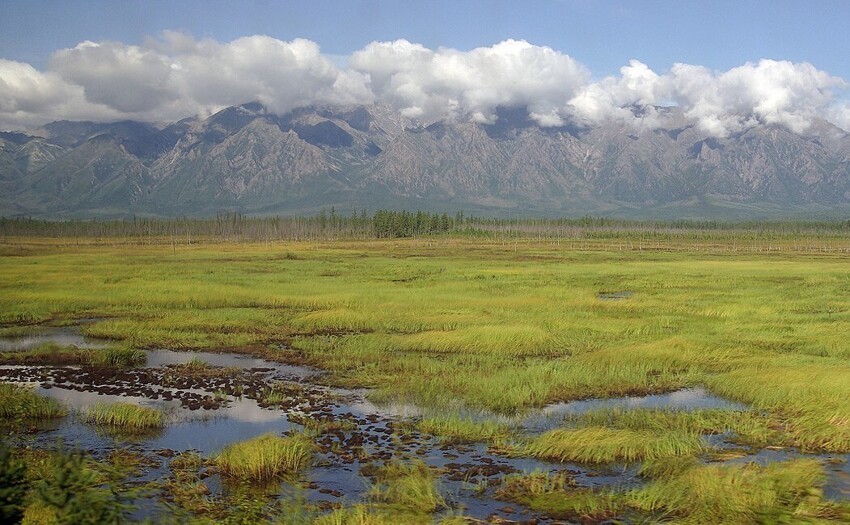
245, 158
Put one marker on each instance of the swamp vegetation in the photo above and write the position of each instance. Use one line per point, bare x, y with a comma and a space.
452, 378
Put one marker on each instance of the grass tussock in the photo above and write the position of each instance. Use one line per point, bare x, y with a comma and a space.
126, 417
367, 515
411, 485
783, 492
749, 427
265, 457
594, 444
457, 429
556, 494
22, 403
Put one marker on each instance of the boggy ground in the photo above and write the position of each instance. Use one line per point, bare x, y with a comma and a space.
458, 328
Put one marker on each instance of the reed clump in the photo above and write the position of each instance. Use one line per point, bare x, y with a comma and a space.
125, 417
594, 444
458, 429
22, 403
265, 457
411, 485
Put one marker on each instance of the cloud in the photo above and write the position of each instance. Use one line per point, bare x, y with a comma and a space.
613, 97
769, 92
175, 75
447, 83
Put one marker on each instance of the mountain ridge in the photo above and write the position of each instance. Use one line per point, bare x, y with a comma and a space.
247, 159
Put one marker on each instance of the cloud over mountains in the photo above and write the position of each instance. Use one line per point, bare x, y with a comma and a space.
176, 76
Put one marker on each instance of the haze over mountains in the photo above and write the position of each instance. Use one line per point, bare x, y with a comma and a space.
245, 158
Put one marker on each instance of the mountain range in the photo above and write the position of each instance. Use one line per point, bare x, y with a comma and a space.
249, 160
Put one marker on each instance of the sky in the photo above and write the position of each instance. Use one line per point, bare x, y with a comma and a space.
728, 64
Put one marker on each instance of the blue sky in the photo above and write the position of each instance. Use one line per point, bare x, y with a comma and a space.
603, 34
728, 65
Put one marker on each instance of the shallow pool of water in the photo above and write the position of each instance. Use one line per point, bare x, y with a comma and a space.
687, 399
64, 336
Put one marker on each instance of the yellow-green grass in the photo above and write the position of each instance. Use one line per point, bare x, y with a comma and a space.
594, 444
492, 325
22, 403
54, 354
125, 417
458, 429
411, 485
785, 492
371, 515
265, 457
748, 427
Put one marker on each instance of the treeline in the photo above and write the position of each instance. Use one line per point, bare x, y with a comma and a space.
360, 224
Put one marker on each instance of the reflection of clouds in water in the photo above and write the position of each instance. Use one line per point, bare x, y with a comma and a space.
357, 403
82, 400
363, 407
241, 410
685, 399
170, 357
248, 411
59, 336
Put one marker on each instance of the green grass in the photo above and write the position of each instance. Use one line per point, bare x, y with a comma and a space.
749, 427
454, 324
265, 457
22, 403
126, 417
411, 485
459, 429
785, 492
606, 445
778, 493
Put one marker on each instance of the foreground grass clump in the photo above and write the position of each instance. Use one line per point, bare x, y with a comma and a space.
549, 494
265, 457
457, 429
363, 515
749, 427
69, 487
606, 445
786, 492
410, 485
54, 354
125, 416
19, 403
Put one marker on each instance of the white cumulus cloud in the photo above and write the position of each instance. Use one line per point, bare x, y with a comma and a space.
176, 75
769, 92
447, 83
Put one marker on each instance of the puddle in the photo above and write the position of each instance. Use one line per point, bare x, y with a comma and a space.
686, 399
157, 358
614, 296
65, 336
836, 466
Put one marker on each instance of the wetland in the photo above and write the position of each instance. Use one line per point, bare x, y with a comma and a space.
439, 380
